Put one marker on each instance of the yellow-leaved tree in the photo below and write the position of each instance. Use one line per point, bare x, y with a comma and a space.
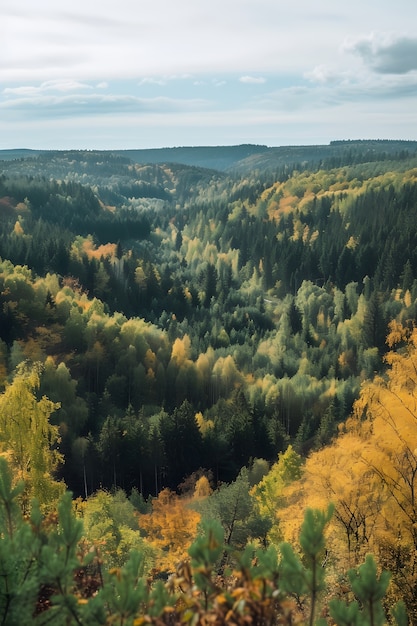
27, 437
385, 417
339, 474
370, 474
171, 527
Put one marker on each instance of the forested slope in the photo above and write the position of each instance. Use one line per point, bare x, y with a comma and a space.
161, 292
167, 332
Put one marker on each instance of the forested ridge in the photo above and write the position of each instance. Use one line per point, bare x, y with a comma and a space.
182, 344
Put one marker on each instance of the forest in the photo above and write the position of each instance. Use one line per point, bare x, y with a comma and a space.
211, 368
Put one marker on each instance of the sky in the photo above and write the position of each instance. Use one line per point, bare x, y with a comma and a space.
126, 74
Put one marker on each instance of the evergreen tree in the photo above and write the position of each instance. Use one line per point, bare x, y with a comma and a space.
182, 442
374, 325
295, 318
209, 284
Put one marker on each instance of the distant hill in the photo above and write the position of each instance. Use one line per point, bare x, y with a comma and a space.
219, 158
248, 157
335, 154
212, 157
18, 153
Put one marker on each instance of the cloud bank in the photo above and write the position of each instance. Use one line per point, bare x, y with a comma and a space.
128, 74
387, 55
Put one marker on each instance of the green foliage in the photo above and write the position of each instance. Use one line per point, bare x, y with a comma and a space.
205, 552
45, 579
399, 613
304, 575
232, 506
281, 281
268, 493
369, 590
8, 496
20, 551
111, 524
125, 590
59, 561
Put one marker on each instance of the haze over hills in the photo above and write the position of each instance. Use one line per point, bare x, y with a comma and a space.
247, 157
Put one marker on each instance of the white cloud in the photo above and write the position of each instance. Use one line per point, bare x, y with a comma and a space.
252, 80
149, 80
47, 86
155, 65
322, 74
163, 80
104, 40
365, 91
57, 106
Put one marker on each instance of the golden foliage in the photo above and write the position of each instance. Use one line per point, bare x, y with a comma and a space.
181, 350
204, 425
170, 527
108, 250
18, 230
29, 438
369, 473
202, 488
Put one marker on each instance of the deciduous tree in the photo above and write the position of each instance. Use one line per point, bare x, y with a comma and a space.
28, 438
269, 492
170, 527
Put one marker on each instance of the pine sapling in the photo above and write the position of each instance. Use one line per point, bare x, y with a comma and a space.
304, 576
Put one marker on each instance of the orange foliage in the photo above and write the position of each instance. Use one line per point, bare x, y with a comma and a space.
18, 230
150, 360
171, 526
108, 250
202, 488
48, 339
32, 349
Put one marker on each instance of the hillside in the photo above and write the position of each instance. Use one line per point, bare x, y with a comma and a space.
234, 290
248, 157
176, 338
